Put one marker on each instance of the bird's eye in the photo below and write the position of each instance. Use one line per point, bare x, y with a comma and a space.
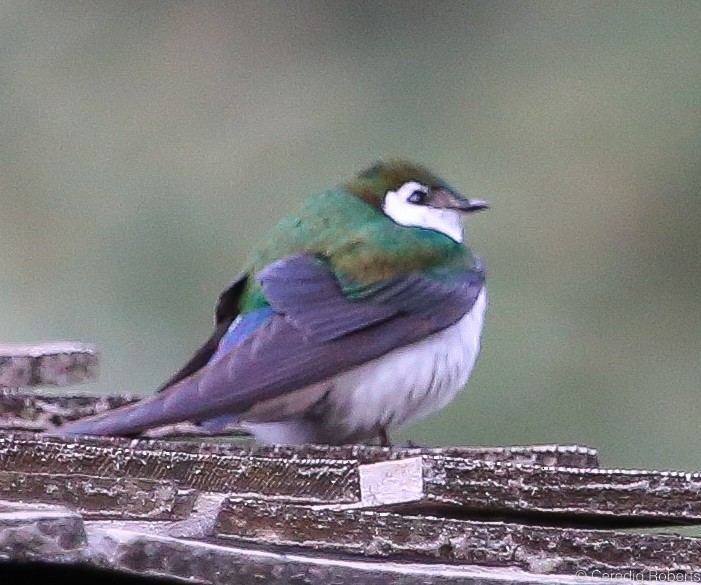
417, 197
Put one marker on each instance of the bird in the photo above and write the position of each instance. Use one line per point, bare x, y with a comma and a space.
356, 316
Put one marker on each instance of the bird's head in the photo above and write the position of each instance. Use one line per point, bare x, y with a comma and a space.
412, 196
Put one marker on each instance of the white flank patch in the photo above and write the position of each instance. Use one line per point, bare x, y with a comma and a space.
402, 211
411, 382
402, 386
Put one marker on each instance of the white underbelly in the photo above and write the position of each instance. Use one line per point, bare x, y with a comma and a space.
400, 387
411, 382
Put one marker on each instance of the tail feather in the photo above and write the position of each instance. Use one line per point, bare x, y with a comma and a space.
126, 421
203, 395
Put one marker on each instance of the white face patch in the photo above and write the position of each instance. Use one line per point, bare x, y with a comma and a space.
398, 206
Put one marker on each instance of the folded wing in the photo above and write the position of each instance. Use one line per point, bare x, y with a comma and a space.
315, 333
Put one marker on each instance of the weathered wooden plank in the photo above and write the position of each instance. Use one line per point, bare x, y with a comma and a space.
547, 455
534, 548
309, 480
264, 471
315, 474
39, 532
390, 533
448, 485
143, 553
24, 411
47, 364
570, 492
418, 483
54, 534
502, 552
100, 497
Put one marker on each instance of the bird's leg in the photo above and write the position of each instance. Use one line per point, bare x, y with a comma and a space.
409, 444
384, 439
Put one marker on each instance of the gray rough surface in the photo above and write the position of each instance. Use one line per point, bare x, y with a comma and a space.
418, 483
21, 411
100, 497
546, 455
144, 519
531, 547
301, 479
47, 364
605, 493
30, 532
174, 508
221, 564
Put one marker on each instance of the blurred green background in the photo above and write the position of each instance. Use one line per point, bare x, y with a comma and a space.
147, 146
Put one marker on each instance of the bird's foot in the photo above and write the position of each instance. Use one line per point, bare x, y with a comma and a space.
385, 442
409, 444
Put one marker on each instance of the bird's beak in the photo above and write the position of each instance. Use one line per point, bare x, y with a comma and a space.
448, 199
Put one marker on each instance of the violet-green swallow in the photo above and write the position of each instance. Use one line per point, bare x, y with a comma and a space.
360, 314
